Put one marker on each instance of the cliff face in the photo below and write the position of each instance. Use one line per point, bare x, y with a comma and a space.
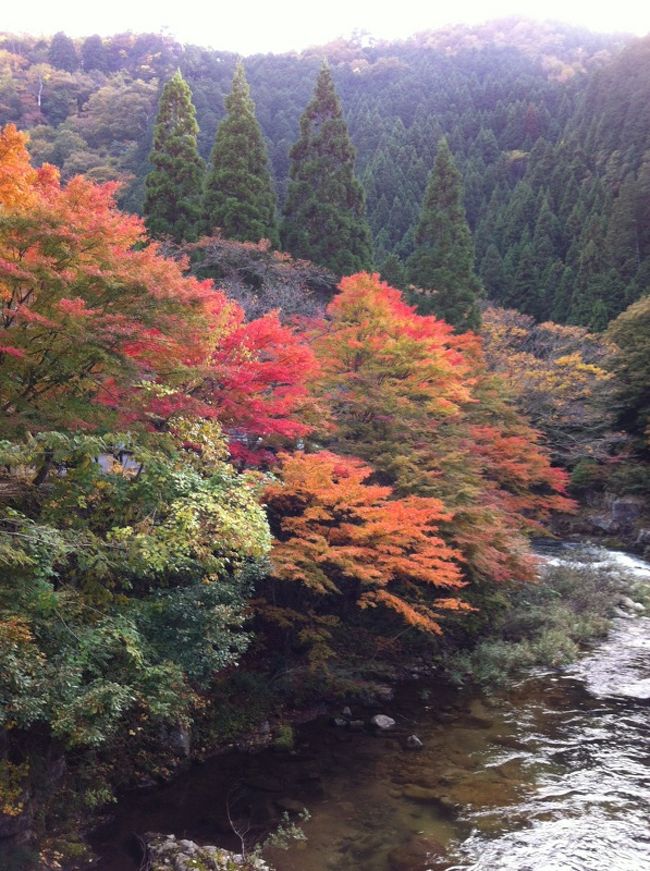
616, 521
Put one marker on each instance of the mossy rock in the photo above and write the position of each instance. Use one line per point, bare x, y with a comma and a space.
168, 854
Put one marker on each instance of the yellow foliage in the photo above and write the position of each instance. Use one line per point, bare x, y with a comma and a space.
12, 787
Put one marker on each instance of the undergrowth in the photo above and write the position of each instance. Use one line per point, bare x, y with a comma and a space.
547, 624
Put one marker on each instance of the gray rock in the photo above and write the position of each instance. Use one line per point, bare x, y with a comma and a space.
168, 854
603, 523
340, 722
188, 846
357, 725
626, 510
414, 743
180, 739
643, 537
630, 604
618, 612
347, 711
382, 722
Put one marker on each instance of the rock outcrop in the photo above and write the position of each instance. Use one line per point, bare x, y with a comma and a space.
166, 853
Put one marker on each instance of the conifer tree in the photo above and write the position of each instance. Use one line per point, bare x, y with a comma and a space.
562, 296
173, 187
94, 55
525, 284
239, 197
325, 217
393, 272
443, 261
62, 53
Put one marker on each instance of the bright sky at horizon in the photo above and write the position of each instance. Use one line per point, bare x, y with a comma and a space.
286, 25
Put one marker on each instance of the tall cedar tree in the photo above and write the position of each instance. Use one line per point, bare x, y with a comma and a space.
325, 216
173, 188
443, 261
239, 198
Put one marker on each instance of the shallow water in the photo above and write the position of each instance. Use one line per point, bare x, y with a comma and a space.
550, 774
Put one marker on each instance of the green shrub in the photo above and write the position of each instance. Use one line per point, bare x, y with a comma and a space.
284, 737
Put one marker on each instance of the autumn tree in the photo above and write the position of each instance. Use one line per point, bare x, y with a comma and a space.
341, 542
128, 540
239, 199
415, 400
99, 331
559, 379
324, 215
442, 265
173, 187
87, 313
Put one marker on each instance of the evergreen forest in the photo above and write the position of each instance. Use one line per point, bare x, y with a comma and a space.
547, 124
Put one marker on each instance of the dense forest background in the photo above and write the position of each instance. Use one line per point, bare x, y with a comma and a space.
548, 125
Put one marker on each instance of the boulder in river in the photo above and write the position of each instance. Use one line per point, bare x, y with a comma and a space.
444, 803
165, 853
626, 510
414, 743
382, 722
630, 604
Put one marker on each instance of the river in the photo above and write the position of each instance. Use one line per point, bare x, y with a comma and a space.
548, 774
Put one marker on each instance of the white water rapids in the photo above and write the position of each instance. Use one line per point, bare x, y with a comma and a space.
586, 739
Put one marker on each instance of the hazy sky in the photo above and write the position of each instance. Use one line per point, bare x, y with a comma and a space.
282, 25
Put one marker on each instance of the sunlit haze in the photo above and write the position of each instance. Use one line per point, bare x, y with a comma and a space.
287, 25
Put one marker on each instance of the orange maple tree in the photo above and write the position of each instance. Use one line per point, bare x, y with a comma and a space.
341, 541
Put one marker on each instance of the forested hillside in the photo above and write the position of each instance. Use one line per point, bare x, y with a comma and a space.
282, 400
547, 124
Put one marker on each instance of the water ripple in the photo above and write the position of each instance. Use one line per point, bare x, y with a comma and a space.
588, 807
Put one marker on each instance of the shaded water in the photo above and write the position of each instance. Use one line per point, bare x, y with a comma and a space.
550, 774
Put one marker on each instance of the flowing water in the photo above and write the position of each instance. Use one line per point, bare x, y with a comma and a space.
550, 774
